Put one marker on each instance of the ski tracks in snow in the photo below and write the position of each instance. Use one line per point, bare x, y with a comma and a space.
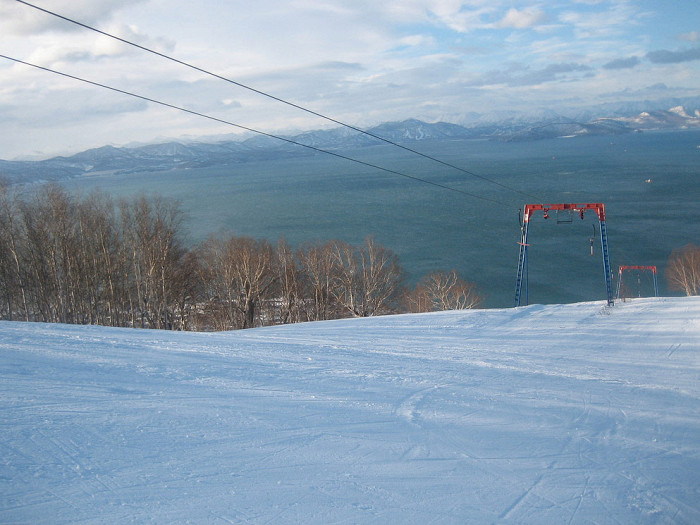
407, 409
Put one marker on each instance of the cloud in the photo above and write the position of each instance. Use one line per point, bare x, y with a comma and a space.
457, 17
622, 63
603, 23
423, 41
517, 19
664, 56
57, 106
655, 91
524, 76
20, 19
693, 36
106, 46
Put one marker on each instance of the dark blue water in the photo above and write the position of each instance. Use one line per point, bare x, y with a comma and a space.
317, 197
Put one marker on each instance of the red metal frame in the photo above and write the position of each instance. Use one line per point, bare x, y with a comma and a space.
652, 269
625, 267
598, 207
528, 210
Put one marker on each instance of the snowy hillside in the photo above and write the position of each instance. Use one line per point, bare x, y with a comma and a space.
542, 414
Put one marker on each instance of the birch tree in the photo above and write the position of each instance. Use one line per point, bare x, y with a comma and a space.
319, 273
683, 270
12, 278
369, 279
440, 291
237, 274
151, 229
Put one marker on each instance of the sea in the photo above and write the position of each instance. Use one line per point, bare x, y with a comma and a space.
649, 183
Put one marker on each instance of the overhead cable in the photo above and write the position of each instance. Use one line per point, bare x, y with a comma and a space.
278, 99
246, 128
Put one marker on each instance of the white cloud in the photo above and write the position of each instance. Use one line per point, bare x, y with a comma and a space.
522, 19
417, 41
601, 23
20, 19
692, 36
106, 46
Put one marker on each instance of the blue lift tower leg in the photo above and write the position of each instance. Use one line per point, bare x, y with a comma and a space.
522, 266
606, 263
656, 284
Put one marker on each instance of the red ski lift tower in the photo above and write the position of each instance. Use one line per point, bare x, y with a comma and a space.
652, 269
581, 209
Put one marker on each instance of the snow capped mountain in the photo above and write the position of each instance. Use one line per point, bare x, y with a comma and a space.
537, 124
574, 413
680, 111
674, 118
415, 130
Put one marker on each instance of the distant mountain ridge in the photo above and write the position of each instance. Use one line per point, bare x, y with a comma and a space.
172, 155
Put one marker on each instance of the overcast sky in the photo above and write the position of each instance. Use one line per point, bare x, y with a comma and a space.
359, 61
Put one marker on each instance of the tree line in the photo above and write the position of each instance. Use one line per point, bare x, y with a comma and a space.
91, 260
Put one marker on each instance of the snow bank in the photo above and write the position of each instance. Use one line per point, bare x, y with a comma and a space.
542, 414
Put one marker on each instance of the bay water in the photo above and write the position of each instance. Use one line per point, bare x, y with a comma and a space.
649, 183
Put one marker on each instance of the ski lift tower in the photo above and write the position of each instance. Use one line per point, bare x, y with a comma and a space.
581, 209
652, 269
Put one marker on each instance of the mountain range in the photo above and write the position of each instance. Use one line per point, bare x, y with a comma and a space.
171, 155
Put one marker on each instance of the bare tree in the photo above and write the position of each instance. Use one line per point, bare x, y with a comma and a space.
101, 256
52, 239
289, 300
255, 274
320, 270
443, 291
217, 279
683, 270
151, 229
12, 278
186, 292
369, 280
238, 273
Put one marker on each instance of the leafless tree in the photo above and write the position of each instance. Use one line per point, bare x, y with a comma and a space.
102, 258
443, 291
320, 271
151, 229
289, 300
369, 279
238, 273
216, 275
51, 242
12, 278
186, 292
683, 270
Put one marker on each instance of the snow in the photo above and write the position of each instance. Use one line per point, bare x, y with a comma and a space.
543, 414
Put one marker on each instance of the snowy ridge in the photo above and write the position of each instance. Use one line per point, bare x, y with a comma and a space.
543, 414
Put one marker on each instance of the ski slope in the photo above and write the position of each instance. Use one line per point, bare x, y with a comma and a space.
543, 414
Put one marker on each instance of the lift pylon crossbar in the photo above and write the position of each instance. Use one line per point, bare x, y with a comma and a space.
581, 209
650, 268
598, 207
623, 268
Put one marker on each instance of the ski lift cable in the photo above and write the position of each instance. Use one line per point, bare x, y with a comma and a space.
278, 99
246, 128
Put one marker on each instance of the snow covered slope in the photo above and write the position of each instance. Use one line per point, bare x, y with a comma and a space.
542, 414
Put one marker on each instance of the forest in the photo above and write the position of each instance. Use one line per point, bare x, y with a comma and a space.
75, 259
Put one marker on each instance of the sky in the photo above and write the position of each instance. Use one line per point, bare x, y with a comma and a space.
362, 62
